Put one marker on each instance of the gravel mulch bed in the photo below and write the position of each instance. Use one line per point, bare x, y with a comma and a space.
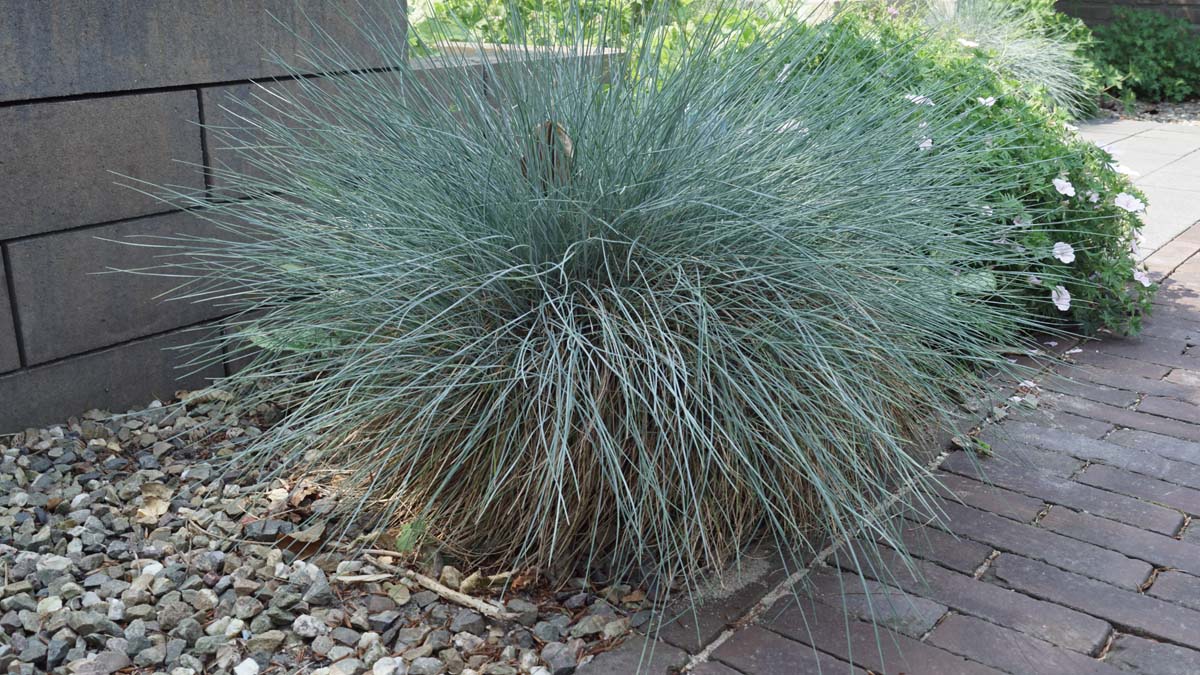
122, 549
1187, 112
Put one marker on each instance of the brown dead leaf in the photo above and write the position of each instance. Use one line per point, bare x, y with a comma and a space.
302, 492
156, 500
634, 596
309, 535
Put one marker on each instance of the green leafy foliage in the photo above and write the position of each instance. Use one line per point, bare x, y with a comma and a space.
1035, 144
1158, 55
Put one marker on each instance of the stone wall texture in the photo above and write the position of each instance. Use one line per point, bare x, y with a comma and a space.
1101, 11
93, 94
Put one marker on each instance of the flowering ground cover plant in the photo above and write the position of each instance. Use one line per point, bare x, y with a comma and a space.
1076, 208
573, 321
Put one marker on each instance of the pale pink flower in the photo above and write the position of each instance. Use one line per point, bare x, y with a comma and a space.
1129, 203
1141, 277
1093, 196
1135, 248
1064, 187
1061, 298
893, 12
1035, 280
1064, 252
918, 99
925, 144
987, 101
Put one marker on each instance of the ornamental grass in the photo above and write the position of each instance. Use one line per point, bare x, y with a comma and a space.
581, 311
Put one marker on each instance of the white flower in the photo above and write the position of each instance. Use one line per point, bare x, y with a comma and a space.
918, 99
987, 101
1074, 350
1141, 277
1035, 280
1061, 298
1064, 252
1129, 203
1134, 248
987, 210
969, 44
1051, 343
1064, 187
925, 144
1093, 196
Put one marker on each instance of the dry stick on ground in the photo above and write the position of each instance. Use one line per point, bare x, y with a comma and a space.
484, 608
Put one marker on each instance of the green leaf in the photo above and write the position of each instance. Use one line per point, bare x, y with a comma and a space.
410, 536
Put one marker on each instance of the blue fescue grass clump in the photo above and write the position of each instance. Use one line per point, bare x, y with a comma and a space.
571, 312
1027, 42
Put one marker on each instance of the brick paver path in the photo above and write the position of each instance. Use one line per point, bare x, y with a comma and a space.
1071, 550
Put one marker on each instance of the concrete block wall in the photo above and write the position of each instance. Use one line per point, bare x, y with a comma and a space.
89, 88
1101, 11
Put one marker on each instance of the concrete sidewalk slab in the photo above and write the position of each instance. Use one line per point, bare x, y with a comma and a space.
1166, 159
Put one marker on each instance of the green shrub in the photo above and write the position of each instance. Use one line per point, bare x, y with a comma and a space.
1158, 55
1109, 290
567, 319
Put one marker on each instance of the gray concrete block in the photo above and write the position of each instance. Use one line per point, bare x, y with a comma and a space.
9, 356
58, 158
127, 376
69, 304
70, 47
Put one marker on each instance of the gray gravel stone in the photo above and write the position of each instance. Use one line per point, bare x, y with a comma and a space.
426, 666
92, 587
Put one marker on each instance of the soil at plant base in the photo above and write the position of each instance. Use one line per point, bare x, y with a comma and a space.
124, 547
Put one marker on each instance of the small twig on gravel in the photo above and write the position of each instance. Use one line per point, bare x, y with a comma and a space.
487, 609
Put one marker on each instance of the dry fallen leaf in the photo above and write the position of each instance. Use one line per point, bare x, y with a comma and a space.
634, 596
309, 535
302, 492
156, 500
